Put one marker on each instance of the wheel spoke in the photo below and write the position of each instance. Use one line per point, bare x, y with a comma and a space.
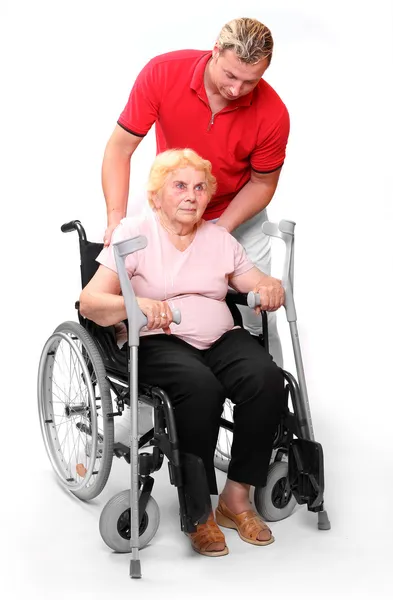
72, 384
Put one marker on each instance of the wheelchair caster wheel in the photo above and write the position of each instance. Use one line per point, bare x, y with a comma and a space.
275, 501
115, 527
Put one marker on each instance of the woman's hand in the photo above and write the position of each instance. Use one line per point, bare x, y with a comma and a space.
159, 314
271, 293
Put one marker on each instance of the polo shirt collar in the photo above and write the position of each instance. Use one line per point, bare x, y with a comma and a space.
197, 84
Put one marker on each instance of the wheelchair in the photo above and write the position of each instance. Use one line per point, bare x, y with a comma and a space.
85, 381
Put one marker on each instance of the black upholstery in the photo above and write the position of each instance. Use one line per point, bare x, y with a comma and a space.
89, 265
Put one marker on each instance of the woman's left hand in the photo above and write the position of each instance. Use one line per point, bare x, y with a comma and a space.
158, 313
271, 293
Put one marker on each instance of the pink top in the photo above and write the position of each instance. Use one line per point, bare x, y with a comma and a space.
195, 280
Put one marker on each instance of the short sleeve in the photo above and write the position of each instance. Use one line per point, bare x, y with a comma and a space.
106, 256
241, 262
141, 110
269, 154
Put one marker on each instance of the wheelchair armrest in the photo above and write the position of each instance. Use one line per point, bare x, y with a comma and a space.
234, 297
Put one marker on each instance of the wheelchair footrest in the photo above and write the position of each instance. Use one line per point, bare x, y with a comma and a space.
305, 473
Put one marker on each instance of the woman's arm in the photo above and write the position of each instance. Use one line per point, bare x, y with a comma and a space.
269, 288
101, 302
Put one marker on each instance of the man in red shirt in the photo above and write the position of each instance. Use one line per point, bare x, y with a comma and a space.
216, 103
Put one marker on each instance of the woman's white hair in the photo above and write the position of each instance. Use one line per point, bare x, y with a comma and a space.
171, 160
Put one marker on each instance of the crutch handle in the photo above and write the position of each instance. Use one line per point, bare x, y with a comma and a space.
176, 316
253, 299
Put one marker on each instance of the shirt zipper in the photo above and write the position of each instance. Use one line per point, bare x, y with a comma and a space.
211, 122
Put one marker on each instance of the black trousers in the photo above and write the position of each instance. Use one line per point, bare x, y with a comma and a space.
197, 382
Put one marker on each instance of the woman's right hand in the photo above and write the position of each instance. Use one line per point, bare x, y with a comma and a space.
159, 314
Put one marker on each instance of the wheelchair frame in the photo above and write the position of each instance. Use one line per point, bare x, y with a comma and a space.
295, 436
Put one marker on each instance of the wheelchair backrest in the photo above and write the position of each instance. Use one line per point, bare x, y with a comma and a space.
89, 252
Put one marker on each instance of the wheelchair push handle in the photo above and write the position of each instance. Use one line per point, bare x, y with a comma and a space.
67, 227
75, 226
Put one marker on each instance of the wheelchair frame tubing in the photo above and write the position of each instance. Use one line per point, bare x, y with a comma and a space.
172, 452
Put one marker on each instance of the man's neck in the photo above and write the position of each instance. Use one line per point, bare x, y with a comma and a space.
216, 101
210, 88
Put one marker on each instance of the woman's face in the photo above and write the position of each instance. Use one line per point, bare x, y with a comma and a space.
184, 197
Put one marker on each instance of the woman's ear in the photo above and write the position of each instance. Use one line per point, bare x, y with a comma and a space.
156, 200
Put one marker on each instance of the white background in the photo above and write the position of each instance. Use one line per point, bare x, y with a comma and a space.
66, 72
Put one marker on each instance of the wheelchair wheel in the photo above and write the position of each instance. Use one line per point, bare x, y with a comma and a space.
74, 401
222, 454
275, 501
115, 527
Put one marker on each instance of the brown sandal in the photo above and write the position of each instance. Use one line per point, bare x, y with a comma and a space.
248, 524
207, 534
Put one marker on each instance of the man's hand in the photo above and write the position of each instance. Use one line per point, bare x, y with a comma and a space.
108, 232
271, 293
159, 314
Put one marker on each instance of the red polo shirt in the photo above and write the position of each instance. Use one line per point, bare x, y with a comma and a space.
251, 132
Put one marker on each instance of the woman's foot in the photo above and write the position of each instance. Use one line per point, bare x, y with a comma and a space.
209, 539
234, 510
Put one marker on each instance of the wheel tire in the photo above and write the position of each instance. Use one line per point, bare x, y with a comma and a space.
269, 500
114, 522
94, 424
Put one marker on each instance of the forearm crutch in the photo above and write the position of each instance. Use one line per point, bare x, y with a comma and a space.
136, 320
285, 231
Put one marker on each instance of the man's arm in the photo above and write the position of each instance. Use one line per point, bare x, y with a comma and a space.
251, 199
116, 176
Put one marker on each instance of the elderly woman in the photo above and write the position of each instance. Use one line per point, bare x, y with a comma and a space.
189, 263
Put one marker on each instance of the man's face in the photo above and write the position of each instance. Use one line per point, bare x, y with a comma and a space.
234, 78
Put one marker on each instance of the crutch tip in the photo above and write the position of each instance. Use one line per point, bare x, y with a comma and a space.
135, 569
323, 521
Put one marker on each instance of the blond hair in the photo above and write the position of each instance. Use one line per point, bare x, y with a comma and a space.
170, 160
249, 39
